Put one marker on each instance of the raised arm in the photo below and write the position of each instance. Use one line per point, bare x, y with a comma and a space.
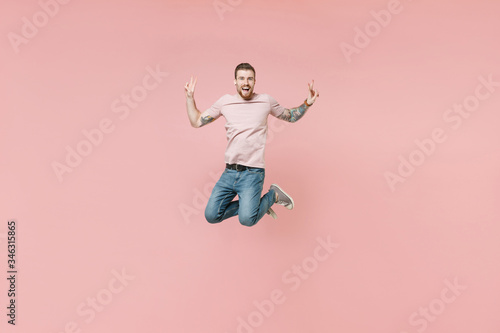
292, 115
194, 114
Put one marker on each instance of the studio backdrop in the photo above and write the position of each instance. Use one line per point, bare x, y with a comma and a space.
394, 170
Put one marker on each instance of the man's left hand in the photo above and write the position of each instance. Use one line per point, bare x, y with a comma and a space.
313, 93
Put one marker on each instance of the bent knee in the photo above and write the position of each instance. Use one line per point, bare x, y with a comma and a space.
248, 221
211, 217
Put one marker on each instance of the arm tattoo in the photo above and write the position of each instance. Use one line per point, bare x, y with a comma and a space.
206, 120
294, 114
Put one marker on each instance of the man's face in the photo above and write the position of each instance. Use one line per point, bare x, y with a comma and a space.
245, 81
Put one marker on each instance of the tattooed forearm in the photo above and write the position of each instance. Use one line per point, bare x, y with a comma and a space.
206, 120
294, 114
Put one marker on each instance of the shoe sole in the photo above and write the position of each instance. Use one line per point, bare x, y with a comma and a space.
289, 197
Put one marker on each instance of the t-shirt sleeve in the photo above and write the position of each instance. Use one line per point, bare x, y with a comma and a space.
276, 109
215, 110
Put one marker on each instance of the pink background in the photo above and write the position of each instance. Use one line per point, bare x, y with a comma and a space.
135, 203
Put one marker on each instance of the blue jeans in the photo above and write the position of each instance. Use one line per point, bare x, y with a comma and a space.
250, 207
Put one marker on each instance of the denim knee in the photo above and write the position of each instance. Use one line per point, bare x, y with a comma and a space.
248, 221
211, 216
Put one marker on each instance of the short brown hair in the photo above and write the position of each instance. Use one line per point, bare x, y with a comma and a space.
243, 66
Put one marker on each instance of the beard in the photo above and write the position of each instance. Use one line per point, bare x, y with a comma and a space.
245, 94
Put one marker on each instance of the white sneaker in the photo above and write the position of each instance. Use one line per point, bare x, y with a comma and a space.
283, 198
271, 213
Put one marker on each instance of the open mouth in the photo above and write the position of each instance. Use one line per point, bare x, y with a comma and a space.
245, 89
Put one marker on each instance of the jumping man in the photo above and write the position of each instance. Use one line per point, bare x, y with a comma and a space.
246, 129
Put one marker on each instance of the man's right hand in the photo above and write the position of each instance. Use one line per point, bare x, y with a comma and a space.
189, 87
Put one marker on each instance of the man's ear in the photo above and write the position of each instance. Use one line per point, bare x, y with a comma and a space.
234, 82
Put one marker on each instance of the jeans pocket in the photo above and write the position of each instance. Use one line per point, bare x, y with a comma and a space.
257, 172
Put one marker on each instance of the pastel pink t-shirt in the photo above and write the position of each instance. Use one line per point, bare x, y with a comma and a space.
246, 126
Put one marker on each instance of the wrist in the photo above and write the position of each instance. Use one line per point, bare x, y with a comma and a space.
307, 104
